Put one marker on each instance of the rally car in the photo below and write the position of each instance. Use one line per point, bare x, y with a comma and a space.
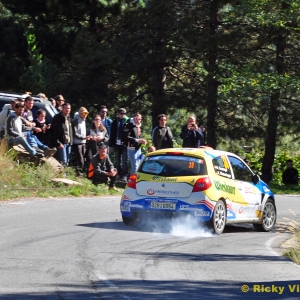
215, 187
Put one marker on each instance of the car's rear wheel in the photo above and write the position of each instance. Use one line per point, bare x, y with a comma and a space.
218, 220
268, 218
128, 221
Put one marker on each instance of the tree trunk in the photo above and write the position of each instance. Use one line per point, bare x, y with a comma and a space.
159, 81
92, 19
270, 145
212, 83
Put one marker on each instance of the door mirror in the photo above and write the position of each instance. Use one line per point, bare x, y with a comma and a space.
255, 179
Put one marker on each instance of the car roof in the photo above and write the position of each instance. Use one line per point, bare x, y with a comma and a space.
8, 96
202, 151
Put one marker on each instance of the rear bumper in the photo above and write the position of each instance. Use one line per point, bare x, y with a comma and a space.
201, 211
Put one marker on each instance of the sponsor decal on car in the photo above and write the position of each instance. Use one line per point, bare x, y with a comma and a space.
223, 174
248, 190
162, 192
224, 187
184, 207
158, 178
150, 192
245, 209
124, 197
202, 213
207, 204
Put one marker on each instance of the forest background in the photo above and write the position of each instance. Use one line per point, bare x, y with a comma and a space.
234, 64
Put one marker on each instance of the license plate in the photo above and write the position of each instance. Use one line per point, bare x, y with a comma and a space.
125, 208
163, 205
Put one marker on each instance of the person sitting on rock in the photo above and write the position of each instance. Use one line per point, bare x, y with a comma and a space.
13, 131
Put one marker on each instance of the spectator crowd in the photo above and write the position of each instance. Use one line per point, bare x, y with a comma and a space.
93, 144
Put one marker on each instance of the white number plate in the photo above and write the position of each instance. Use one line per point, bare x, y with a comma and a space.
125, 208
163, 205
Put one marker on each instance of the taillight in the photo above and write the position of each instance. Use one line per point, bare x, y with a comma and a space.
131, 182
202, 184
175, 153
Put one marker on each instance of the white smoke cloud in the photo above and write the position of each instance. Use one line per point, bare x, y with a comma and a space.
184, 226
189, 227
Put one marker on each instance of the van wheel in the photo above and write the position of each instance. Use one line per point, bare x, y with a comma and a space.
268, 218
218, 220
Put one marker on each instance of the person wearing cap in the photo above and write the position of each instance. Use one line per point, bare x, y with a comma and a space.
115, 141
62, 134
101, 168
80, 138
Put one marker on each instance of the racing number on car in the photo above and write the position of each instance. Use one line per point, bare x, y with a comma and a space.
191, 165
225, 162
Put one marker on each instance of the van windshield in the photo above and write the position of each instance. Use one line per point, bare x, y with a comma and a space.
173, 165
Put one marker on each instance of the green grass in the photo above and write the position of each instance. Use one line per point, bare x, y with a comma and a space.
284, 189
28, 180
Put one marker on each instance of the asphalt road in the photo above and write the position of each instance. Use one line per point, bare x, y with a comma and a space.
80, 249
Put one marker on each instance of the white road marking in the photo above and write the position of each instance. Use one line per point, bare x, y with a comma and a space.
109, 284
106, 281
292, 212
268, 244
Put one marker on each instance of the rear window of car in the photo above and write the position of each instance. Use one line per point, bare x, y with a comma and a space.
173, 165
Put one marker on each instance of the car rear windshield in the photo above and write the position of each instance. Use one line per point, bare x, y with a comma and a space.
173, 165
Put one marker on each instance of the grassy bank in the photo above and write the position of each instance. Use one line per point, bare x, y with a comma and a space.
293, 252
30, 180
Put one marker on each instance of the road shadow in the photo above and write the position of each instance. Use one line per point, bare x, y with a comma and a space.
163, 227
165, 290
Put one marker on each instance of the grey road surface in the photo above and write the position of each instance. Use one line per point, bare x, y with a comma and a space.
79, 249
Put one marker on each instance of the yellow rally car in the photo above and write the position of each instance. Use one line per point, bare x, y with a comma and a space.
215, 187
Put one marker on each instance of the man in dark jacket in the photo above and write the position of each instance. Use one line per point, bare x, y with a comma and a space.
101, 168
190, 134
162, 136
115, 141
131, 139
290, 174
62, 136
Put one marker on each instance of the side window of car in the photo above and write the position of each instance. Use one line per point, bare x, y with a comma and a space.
221, 166
240, 170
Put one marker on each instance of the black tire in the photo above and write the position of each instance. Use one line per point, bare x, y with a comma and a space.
218, 220
268, 218
128, 221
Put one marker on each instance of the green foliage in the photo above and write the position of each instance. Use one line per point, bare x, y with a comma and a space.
224, 60
279, 166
